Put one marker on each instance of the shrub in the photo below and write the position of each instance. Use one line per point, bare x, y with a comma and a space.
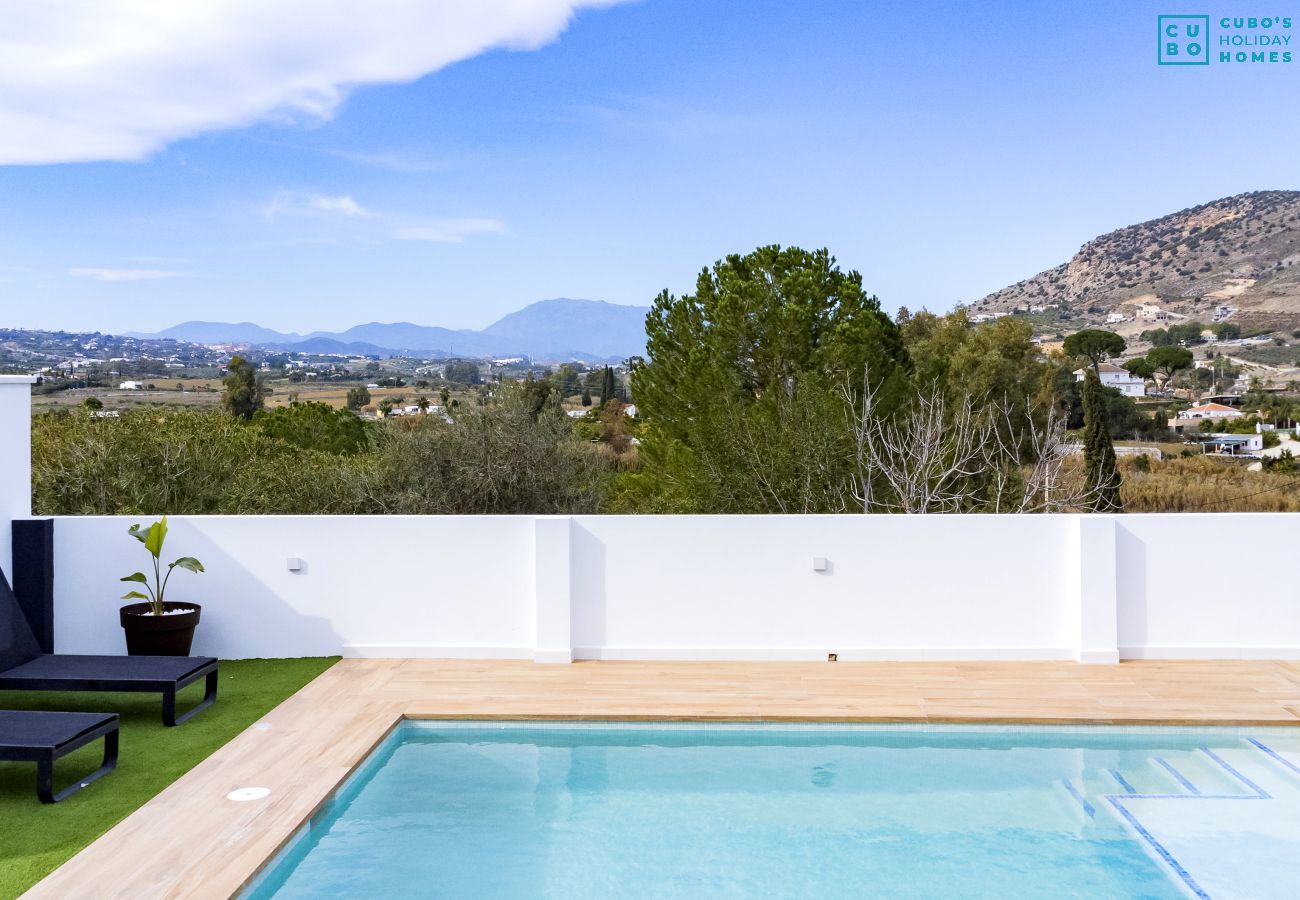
152, 462
1283, 463
507, 456
1199, 484
501, 457
315, 426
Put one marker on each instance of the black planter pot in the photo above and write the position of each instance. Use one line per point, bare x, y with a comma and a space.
150, 635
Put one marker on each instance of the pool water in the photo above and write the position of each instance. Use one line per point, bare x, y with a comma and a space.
456, 809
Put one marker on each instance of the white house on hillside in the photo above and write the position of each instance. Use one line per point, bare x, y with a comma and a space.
1210, 411
1113, 376
1233, 444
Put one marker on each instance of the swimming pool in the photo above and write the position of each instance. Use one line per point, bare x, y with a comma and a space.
508, 809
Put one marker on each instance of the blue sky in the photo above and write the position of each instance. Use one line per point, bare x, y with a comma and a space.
942, 149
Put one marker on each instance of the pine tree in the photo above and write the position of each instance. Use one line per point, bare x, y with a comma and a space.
1101, 475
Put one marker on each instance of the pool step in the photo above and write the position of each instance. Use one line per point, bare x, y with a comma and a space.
1236, 772
1266, 769
1147, 777
1288, 761
1174, 772
1240, 836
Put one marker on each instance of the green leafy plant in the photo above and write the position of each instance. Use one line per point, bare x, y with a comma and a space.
152, 537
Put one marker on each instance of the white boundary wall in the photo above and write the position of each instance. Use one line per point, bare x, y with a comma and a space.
1091, 588
15, 456
368, 586
556, 588
1213, 586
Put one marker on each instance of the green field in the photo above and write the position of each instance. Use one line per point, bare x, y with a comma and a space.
1270, 354
205, 393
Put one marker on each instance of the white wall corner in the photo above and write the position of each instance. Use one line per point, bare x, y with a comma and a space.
553, 583
15, 459
1098, 594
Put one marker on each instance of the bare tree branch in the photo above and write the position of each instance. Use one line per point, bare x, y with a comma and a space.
941, 454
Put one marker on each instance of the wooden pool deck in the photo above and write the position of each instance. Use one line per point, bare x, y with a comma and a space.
191, 841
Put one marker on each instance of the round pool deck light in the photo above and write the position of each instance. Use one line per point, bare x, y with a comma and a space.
243, 795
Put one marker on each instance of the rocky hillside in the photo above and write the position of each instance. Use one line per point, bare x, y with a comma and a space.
1241, 251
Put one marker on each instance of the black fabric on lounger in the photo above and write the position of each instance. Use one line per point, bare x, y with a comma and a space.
43, 737
23, 667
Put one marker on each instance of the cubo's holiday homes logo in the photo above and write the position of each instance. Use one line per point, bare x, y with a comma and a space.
1182, 40
1185, 40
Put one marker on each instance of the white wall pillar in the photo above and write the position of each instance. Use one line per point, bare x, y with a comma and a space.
1098, 593
15, 459
552, 568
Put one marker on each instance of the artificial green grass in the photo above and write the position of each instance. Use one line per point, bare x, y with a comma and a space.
35, 838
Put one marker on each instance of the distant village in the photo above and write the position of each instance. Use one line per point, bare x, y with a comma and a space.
122, 372
125, 372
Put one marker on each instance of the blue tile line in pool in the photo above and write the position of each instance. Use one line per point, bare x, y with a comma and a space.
1177, 775
1074, 792
1276, 756
1258, 793
1123, 782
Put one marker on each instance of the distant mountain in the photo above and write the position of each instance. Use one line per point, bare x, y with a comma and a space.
403, 336
1241, 251
576, 326
558, 329
221, 333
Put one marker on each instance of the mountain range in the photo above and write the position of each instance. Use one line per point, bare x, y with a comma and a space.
1241, 251
558, 329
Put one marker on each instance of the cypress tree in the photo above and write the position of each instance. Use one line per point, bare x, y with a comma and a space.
244, 391
1101, 475
607, 386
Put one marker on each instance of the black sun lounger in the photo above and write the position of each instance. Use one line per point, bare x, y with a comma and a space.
43, 737
23, 667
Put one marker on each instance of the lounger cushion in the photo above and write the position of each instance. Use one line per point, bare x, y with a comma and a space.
66, 667
46, 730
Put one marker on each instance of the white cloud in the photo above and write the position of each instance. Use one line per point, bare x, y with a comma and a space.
291, 202
344, 206
123, 274
120, 79
342, 217
448, 231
